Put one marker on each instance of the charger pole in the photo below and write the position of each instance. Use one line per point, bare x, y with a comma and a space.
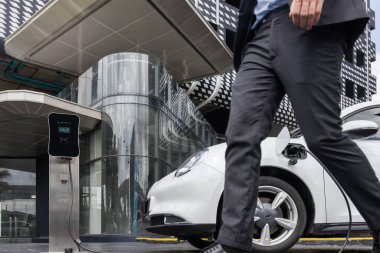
60, 202
63, 182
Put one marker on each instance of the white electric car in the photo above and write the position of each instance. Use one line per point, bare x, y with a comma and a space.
296, 196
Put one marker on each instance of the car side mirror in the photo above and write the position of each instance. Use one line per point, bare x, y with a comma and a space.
359, 129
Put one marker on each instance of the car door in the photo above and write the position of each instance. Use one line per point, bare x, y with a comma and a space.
368, 139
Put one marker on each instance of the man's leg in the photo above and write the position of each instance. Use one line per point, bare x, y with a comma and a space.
309, 65
256, 95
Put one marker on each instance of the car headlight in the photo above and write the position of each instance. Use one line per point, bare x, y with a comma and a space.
191, 162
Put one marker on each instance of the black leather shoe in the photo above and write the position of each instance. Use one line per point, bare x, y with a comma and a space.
213, 248
218, 248
376, 242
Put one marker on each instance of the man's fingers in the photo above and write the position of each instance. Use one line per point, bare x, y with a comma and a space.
295, 12
311, 17
304, 13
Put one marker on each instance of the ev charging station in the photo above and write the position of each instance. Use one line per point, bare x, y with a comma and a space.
63, 152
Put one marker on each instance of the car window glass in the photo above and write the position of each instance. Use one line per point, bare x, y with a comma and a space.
371, 115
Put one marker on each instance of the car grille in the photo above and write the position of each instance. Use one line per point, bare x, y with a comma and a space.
173, 219
164, 220
157, 220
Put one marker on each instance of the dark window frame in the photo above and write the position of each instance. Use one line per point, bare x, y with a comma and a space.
350, 89
360, 58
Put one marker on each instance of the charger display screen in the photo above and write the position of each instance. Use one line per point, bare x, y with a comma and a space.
64, 130
63, 135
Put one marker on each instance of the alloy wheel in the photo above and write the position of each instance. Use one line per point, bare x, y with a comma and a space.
276, 217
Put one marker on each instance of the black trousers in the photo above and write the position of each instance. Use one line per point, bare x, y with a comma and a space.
307, 66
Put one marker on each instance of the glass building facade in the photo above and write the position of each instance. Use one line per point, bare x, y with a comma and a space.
17, 199
149, 127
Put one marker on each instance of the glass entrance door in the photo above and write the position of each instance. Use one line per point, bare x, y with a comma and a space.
17, 200
17, 220
6, 210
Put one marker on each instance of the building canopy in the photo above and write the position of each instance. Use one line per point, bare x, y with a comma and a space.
24, 124
71, 36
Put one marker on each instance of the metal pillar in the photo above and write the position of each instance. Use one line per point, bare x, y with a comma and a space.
60, 200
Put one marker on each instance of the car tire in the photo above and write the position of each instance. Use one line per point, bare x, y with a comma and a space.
287, 237
268, 185
199, 243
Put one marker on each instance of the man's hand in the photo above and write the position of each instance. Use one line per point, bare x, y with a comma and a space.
306, 13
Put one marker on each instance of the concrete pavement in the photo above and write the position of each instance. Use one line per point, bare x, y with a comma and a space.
183, 247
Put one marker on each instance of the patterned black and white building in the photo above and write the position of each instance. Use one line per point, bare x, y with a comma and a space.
214, 93
13, 13
358, 82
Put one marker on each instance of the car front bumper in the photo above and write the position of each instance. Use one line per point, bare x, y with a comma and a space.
194, 196
184, 230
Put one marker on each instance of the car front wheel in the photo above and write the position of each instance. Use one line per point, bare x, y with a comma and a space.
280, 217
279, 221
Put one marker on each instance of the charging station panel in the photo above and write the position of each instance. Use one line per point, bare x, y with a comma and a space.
63, 135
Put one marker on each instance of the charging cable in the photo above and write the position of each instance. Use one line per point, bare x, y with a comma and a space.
77, 242
343, 193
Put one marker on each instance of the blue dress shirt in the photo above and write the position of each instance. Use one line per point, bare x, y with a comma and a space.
264, 7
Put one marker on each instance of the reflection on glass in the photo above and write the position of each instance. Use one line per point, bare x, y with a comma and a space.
17, 198
149, 127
